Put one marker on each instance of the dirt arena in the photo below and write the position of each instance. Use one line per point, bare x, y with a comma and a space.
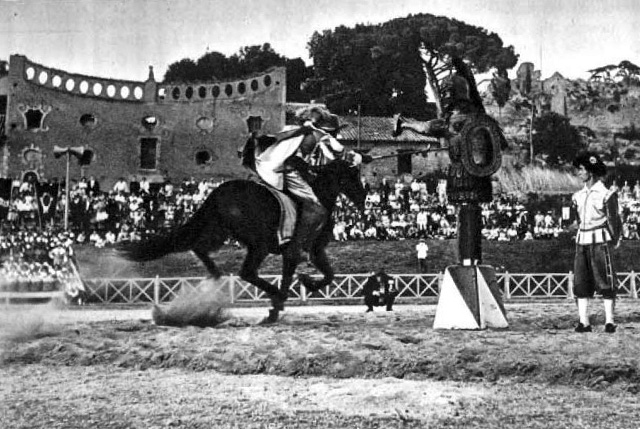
320, 367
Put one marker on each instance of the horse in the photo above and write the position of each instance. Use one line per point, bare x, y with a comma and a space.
248, 212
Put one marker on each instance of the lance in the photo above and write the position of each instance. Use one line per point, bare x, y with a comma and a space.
422, 152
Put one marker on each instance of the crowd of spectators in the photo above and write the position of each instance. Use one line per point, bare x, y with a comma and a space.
410, 211
393, 211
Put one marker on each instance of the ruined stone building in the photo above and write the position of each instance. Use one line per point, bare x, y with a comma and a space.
132, 129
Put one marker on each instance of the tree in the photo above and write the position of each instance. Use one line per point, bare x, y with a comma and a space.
248, 60
4, 68
627, 71
391, 63
184, 70
500, 88
556, 138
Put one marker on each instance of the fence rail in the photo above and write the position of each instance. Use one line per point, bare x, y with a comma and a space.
348, 286
344, 287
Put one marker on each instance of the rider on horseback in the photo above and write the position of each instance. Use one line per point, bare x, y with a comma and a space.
283, 161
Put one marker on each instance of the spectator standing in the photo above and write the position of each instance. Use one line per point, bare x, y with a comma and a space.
93, 186
422, 250
121, 186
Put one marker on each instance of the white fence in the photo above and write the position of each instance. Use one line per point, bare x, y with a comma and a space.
344, 287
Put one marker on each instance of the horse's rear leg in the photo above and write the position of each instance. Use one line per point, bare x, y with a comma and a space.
203, 254
320, 260
249, 273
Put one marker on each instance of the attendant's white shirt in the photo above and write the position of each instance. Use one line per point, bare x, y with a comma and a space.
591, 206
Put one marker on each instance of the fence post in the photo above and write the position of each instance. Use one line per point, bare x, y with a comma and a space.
507, 285
232, 289
156, 290
440, 280
303, 292
632, 285
570, 283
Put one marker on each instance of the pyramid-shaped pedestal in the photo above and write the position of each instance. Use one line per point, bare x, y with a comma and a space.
470, 299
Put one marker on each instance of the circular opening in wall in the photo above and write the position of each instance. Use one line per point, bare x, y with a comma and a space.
202, 92
254, 85
70, 84
215, 91
267, 80
175, 93
242, 88
97, 88
188, 93
31, 72
124, 92
203, 157
43, 77
138, 93
84, 86
228, 90
56, 81
150, 121
111, 90
204, 123
88, 120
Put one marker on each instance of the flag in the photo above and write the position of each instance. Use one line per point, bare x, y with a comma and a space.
5, 197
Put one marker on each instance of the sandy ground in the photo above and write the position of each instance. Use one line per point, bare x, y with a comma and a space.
320, 366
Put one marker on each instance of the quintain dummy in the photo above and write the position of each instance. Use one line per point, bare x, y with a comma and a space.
474, 142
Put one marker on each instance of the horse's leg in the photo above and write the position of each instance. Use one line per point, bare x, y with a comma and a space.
249, 273
203, 255
290, 261
320, 260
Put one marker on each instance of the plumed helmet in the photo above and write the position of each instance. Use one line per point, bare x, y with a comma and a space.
592, 163
455, 88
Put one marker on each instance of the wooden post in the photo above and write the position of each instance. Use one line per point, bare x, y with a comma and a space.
507, 285
469, 234
66, 193
303, 293
632, 285
232, 297
156, 290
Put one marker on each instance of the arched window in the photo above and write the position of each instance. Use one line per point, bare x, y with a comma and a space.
203, 157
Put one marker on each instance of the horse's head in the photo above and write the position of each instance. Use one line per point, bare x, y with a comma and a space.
340, 177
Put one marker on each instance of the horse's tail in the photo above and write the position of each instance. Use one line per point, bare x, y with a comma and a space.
180, 239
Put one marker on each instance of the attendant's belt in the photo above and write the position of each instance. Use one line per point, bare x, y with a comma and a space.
595, 228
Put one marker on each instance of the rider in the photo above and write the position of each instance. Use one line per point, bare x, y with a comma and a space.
284, 165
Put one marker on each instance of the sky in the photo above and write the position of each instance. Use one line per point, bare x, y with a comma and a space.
121, 38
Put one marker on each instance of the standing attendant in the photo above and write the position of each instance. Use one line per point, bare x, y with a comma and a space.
422, 250
600, 228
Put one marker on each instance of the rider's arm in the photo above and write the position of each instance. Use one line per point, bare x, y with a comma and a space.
340, 151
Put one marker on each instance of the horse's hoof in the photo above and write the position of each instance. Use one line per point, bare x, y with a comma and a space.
158, 315
273, 317
310, 284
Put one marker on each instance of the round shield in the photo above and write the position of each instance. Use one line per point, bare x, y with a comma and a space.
481, 141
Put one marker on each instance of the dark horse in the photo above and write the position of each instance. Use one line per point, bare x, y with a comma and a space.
246, 211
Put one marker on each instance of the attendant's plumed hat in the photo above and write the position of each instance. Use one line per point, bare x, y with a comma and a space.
591, 162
